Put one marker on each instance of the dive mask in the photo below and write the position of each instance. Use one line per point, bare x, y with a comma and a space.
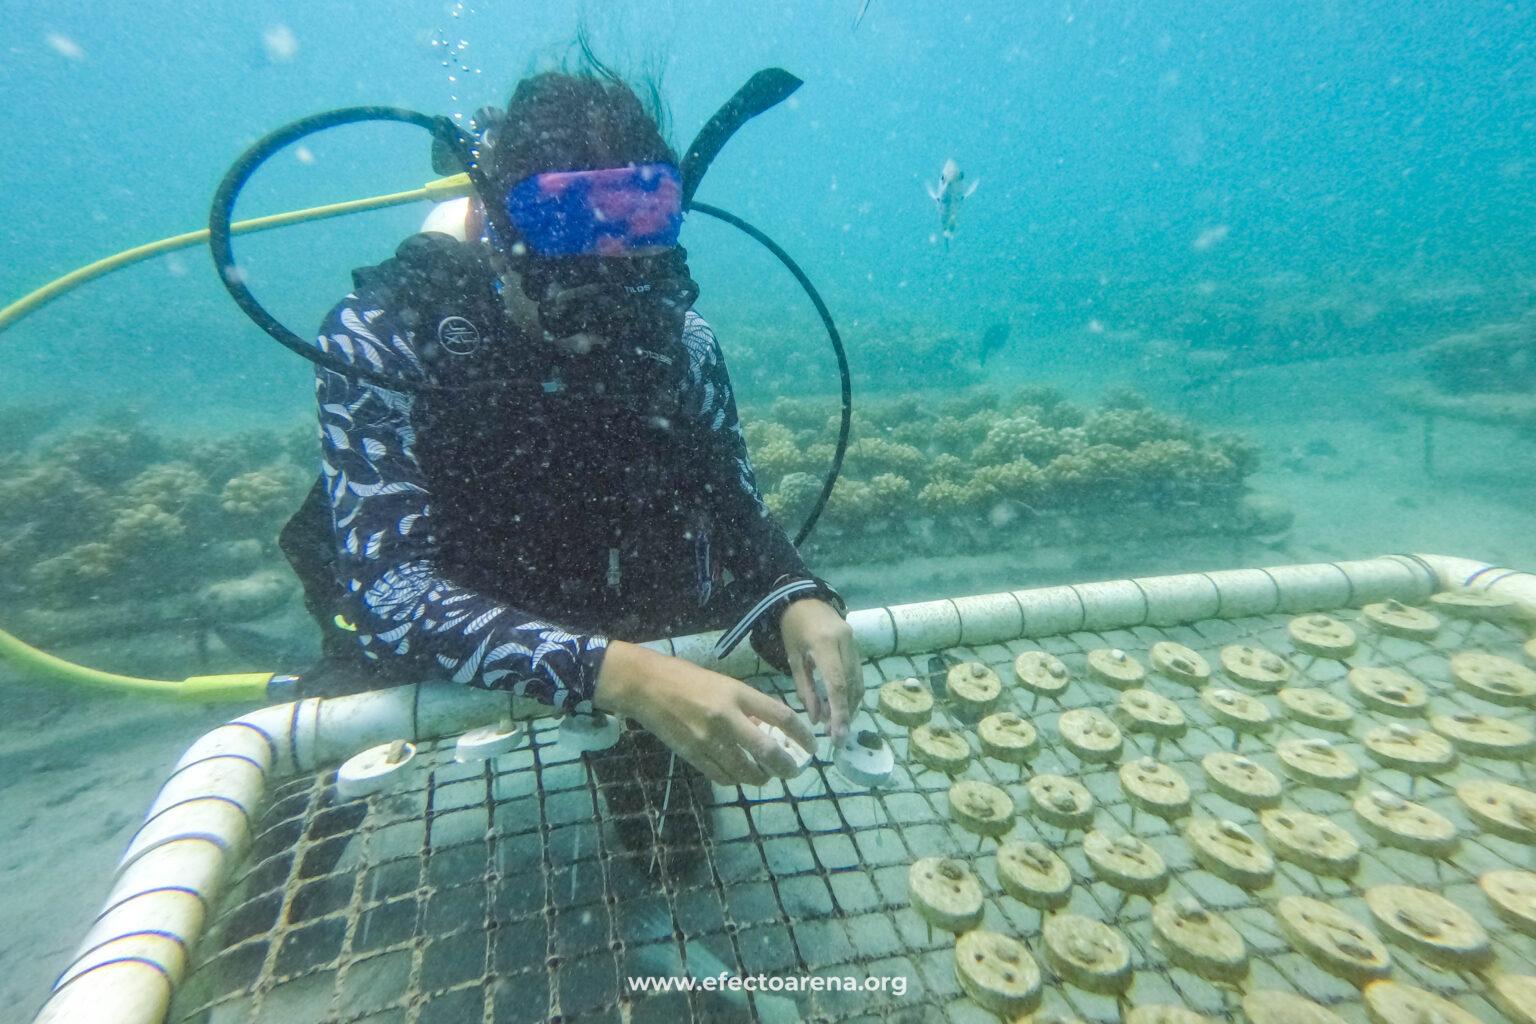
597, 249
608, 211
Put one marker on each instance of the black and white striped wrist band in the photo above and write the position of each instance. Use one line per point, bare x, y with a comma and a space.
737, 633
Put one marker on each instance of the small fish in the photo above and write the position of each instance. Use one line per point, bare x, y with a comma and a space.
949, 193
863, 10
993, 339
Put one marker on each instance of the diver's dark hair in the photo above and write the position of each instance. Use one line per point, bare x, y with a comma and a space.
578, 118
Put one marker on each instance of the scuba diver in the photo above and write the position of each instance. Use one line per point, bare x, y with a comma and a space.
564, 475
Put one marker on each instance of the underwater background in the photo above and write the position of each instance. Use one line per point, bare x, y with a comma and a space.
1282, 235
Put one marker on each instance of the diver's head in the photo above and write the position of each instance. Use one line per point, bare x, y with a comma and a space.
565, 120
592, 199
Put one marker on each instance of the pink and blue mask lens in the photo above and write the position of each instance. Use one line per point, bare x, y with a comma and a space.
611, 211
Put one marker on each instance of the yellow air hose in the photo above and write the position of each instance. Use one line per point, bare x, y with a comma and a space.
242, 686
436, 191
32, 663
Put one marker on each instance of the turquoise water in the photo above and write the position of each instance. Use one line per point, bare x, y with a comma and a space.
1259, 215
1178, 173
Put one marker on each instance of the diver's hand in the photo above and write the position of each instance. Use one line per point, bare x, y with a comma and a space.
816, 637
707, 719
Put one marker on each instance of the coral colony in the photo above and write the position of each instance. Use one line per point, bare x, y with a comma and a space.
976, 466
120, 529
126, 530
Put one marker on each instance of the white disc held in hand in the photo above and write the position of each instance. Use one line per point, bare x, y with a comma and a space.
797, 753
864, 758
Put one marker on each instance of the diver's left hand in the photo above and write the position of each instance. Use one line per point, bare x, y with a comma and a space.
816, 637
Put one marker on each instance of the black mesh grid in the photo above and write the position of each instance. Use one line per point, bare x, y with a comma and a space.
530, 887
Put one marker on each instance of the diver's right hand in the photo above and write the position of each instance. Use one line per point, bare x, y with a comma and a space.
707, 719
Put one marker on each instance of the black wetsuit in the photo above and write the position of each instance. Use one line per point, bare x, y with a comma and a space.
501, 536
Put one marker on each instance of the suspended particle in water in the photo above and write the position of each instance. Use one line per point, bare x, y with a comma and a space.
1210, 238
64, 46
280, 43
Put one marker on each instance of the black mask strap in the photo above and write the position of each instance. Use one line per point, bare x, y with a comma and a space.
763, 91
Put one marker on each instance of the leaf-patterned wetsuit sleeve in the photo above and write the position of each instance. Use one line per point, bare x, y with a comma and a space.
752, 543
393, 589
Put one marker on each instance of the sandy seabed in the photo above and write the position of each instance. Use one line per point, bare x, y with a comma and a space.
77, 771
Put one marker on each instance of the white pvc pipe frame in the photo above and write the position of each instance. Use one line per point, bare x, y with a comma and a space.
138, 948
